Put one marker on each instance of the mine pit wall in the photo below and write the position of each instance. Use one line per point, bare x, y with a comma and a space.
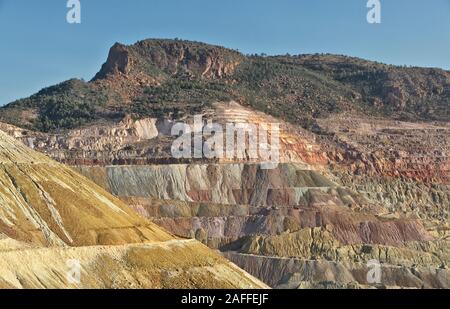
291, 273
221, 203
213, 183
227, 205
428, 201
220, 231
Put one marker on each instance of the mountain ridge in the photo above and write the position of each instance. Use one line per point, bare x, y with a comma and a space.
157, 77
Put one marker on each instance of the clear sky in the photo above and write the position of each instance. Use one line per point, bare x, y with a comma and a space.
39, 48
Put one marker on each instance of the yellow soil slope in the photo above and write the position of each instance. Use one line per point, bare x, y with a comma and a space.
46, 203
171, 264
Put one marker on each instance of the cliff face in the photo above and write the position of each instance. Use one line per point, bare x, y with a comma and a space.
149, 140
169, 56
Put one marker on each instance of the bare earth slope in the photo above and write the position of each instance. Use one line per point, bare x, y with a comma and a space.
49, 214
157, 265
364, 152
302, 224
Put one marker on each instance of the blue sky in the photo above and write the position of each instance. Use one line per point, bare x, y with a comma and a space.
39, 48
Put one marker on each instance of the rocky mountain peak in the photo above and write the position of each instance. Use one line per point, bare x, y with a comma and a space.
157, 56
117, 62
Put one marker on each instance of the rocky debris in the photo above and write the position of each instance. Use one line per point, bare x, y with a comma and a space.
47, 203
314, 258
340, 185
402, 166
330, 223
234, 200
428, 201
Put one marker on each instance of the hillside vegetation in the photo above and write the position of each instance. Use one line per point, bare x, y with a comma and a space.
172, 77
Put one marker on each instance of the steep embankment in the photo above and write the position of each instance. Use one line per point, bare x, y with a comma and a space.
255, 216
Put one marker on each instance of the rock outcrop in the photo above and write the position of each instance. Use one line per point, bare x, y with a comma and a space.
170, 56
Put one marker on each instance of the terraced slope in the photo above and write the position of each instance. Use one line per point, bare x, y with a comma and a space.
364, 153
268, 221
274, 221
236, 200
49, 215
